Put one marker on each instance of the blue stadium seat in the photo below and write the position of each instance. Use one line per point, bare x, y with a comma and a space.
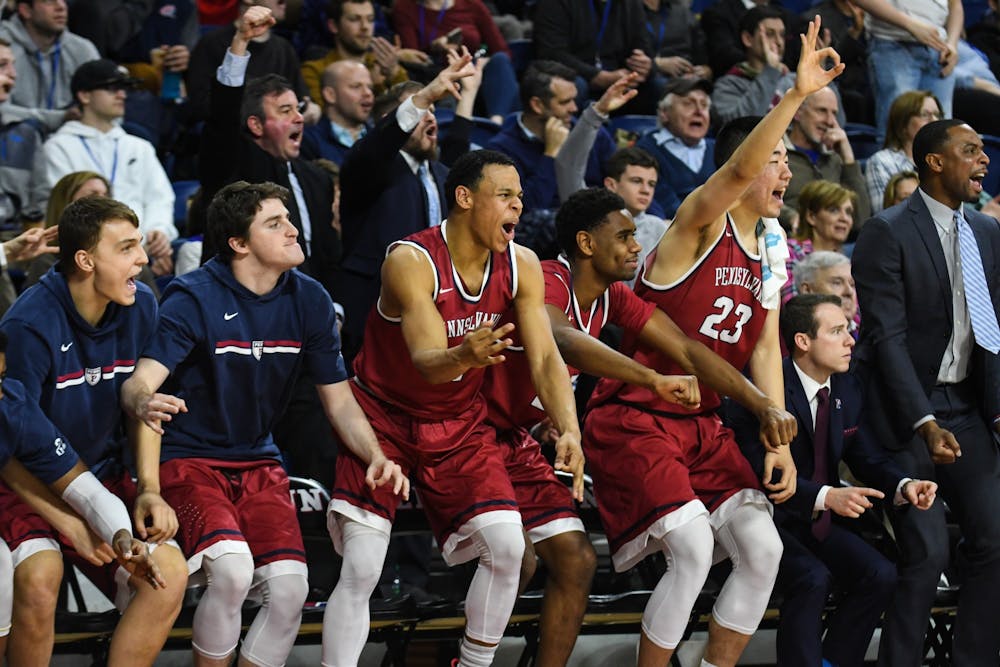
992, 182
864, 140
640, 124
183, 191
522, 52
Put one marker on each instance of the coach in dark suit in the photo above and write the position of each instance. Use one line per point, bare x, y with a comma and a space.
928, 281
391, 183
253, 134
820, 554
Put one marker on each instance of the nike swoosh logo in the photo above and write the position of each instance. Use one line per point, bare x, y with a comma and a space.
229, 316
447, 289
66, 346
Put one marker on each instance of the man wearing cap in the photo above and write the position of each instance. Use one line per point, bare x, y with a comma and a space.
680, 147
97, 143
818, 148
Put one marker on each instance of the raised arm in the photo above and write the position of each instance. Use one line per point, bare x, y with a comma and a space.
705, 206
571, 160
408, 292
548, 370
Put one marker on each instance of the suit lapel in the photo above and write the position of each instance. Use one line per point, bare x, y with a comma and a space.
795, 398
924, 224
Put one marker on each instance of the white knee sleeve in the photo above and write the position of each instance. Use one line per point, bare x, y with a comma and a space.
493, 590
688, 549
273, 631
6, 589
754, 547
346, 618
217, 620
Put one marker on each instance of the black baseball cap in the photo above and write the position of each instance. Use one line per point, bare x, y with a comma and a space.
684, 85
98, 74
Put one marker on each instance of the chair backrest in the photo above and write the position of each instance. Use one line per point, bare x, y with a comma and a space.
864, 140
991, 183
183, 191
638, 123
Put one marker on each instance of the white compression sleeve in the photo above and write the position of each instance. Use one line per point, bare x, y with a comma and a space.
100, 508
6, 589
346, 618
754, 547
688, 549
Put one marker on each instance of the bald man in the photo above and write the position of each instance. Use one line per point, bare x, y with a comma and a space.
347, 106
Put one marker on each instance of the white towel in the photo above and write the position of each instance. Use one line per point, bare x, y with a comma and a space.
773, 250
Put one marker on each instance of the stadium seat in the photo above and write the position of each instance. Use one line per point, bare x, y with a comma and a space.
864, 140
992, 182
183, 191
640, 124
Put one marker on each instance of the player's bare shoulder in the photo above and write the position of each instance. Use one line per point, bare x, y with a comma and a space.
407, 273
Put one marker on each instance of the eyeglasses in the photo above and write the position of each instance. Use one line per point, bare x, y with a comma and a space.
929, 115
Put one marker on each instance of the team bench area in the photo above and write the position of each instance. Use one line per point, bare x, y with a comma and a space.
411, 628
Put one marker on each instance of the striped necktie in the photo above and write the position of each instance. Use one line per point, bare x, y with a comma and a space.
977, 294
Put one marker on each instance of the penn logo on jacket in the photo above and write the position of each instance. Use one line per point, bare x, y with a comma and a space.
92, 376
258, 348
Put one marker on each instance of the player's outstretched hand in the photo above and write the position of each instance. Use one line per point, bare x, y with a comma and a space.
777, 427
569, 458
784, 488
134, 556
164, 523
483, 346
920, 493
811, 74
679, 389
87, 543
159, 408
382, 471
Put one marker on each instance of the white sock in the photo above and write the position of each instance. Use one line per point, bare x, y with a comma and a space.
475, 655
706, 663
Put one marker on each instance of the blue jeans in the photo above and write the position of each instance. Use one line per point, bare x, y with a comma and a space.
499, 91
897, 67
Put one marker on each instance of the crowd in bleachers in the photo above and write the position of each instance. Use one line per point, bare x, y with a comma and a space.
160, 104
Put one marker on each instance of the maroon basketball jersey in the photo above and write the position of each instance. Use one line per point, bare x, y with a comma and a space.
509, 390
383, 364
717, 302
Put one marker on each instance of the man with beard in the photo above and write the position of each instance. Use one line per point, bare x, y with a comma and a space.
352, 24
927, 281
391, 184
